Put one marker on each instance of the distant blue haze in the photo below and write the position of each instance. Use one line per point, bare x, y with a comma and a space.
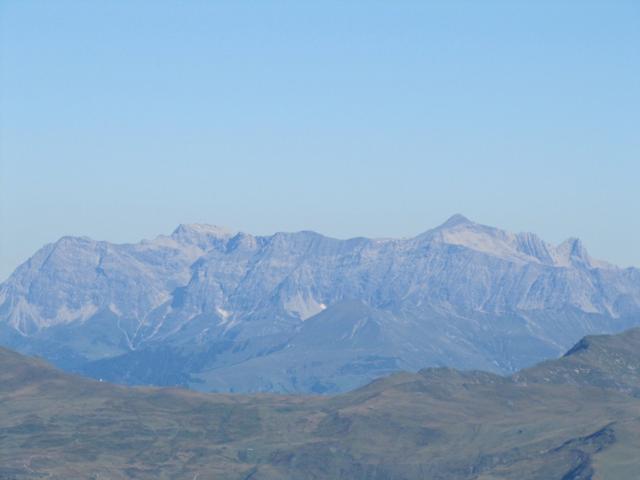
120, 120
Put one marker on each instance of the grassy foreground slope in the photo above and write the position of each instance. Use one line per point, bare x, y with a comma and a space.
577, 417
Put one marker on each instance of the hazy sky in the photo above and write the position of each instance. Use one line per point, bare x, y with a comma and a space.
121, 119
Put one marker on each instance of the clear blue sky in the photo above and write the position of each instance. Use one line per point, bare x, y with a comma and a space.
121, 119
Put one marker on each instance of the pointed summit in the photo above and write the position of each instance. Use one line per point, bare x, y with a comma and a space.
573, 251
455, 220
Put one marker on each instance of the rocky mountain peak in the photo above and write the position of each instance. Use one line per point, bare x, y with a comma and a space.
455, 221
573, 252
201, 235
463, 294
189, 229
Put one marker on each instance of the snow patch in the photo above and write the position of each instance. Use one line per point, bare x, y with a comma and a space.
114, 309
303, 306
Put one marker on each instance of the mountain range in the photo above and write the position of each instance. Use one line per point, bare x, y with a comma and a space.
218, 310
573, 418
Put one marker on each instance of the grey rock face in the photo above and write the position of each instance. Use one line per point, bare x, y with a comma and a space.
219, 310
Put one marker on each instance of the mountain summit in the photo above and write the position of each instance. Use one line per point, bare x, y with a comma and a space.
454, 221
215, 309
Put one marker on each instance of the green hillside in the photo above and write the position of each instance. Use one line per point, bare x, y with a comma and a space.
577, 417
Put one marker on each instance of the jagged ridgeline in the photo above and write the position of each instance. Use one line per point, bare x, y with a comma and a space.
575, 418
218, 310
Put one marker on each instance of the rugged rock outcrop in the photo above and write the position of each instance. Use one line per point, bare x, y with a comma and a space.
220, 310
